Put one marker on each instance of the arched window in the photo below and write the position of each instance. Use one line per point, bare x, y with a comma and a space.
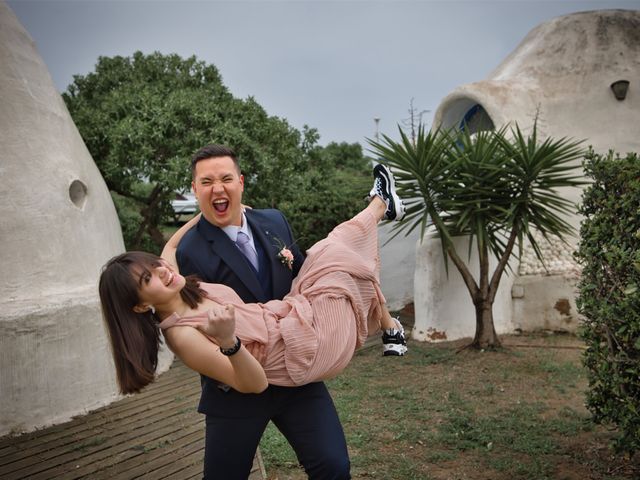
476, 120
467, 112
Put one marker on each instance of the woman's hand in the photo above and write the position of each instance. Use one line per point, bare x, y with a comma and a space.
221, 325
241, 371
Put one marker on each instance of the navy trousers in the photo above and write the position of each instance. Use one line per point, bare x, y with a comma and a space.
306, 417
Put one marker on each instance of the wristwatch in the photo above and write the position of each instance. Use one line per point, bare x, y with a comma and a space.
230, 351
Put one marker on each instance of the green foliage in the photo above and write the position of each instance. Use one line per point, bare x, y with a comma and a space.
330, 190
609, 297
130, 219
495, 186
142, 117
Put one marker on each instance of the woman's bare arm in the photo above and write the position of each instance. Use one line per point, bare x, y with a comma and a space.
241, 371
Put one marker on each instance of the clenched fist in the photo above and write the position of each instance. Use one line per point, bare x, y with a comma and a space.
221, 325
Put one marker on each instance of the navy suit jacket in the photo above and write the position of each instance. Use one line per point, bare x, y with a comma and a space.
209, 253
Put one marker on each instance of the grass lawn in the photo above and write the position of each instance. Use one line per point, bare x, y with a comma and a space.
517, 413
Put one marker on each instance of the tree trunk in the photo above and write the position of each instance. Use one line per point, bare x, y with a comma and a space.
148, 223
485, 332
156, 235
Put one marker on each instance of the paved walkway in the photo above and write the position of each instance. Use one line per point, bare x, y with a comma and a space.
156, 434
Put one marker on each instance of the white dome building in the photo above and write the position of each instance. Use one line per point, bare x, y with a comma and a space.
58, 228
580, 75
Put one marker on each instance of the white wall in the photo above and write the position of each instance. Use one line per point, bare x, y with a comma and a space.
397, 264
446, 311
58, 227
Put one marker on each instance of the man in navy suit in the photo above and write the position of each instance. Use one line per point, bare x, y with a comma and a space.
236, 421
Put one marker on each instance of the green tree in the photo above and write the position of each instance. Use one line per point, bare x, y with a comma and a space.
142, 117
495, 188
329, 191
609, 293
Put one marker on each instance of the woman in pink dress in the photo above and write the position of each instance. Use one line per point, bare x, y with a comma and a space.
310, 335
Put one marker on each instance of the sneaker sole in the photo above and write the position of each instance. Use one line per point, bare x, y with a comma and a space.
394, 350
396, 207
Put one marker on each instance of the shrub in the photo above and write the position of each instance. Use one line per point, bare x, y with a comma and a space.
609, 296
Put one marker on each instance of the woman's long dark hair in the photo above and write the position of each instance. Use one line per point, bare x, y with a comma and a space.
135, 337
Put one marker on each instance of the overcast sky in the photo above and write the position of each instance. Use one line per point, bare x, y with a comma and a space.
333, 65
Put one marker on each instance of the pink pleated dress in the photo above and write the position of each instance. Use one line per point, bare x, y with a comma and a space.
334, 303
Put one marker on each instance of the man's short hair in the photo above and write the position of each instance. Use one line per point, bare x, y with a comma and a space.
213, 151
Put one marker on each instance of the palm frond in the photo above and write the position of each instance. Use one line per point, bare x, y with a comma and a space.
484, 185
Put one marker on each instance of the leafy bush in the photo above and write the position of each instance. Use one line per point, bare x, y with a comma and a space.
609, 295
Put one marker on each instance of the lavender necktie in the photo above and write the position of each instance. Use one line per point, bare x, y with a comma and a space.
245, 247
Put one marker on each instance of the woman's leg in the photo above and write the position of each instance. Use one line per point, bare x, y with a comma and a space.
394, 342
386, 320
377, 207
354, 243
384, 187
385, 204
384, 201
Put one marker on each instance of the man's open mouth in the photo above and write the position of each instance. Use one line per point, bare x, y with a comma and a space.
221, 206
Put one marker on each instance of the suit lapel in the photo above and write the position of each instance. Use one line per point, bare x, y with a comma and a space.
223, 247
262, 232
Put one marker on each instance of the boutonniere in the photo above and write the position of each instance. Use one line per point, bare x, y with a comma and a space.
284, 254
286, 258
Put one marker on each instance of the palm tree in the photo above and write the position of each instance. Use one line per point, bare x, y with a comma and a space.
496, 187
